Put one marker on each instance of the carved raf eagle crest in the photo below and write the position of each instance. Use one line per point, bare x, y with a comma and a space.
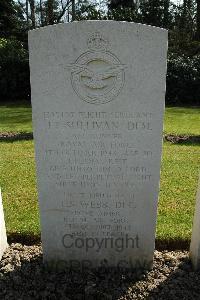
97, 76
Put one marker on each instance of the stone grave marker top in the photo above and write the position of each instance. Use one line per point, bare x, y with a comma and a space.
98, 92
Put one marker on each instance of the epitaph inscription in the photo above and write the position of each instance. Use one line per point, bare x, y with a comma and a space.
98, 165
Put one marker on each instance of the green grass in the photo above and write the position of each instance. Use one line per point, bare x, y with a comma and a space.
177, 189
15, 118
178, 120
178, 175
18, 183
181, 120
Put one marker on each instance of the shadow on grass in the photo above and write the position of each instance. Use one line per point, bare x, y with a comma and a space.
172, 244
16, 118
160, 244
183, 109
16, 104
23, 238
189, 143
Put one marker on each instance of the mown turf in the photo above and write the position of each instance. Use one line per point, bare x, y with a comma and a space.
182, 121
177, 189
18, 183
15, 117
178, 120
178, 177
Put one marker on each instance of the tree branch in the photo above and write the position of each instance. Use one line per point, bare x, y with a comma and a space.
64, 7
22, 6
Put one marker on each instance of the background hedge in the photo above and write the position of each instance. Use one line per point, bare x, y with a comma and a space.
14, 71
183, 75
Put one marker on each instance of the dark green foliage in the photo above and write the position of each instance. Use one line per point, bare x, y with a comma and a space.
152, 12
11, 20
123, 10
123, 14
7, 18
183, 77
14, 70
124, 3
86, 10
183, 80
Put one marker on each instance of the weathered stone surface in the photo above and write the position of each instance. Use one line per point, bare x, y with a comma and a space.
195, 241
3, 237
98, 96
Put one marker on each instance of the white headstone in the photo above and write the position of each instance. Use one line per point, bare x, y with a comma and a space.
98, 91
3, 237
195, 241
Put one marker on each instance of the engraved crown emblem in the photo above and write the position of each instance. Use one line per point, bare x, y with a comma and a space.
97, 42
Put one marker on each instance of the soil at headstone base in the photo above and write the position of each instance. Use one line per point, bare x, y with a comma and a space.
15, 136
23, 276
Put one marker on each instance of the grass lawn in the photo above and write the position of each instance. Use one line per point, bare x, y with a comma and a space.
178, 120
15, 118
18, 184
181, 120
179, 175
177, 189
